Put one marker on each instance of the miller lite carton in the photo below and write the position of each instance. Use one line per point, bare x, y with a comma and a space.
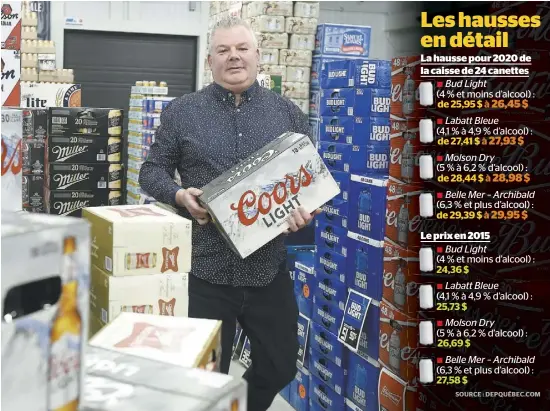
11, 25
161, 240
187, 342
251, 203
124, 380
12, 159
45, 308
159, 294
399, 343
342, 40
401, 278
356, 73
43, 95
362, 102
355, 130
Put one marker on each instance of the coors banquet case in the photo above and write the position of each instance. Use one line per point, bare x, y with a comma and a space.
251, 202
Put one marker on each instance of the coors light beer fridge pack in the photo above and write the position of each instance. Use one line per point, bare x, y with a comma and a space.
45, 283
251, 203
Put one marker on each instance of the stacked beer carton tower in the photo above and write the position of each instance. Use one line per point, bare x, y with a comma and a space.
147, 101
11, 54
82, 159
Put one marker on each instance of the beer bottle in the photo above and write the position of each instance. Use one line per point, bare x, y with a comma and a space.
66, 338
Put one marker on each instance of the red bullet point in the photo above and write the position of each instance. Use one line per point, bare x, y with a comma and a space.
439, 121
440, 360
439, 249
439, 84
439, 195
440, 323
439, 158
440, 286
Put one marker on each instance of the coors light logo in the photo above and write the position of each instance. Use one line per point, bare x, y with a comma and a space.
284, 196
257, 161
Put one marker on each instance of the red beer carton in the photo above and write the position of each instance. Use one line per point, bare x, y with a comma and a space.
403, 221
11, 26
405, 80
405, 149
251, 203
394, 394
401, 278
398, 350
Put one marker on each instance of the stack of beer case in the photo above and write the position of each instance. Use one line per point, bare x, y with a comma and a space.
141, 257
354, 131
35, 133
83, 159
147, 101
11, 53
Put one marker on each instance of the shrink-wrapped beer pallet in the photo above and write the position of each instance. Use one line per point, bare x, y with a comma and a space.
251, 203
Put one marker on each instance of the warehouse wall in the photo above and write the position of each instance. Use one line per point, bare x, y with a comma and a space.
394, 27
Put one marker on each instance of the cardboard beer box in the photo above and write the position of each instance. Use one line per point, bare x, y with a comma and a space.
211, 391
91, 176
187, 342
71, 202
43, 95
83, 149
12, 160
251, 202
35, 123
33, 155
11, 78
33, 191
90, 121
11, 25
159, 294
45, 288
161, 240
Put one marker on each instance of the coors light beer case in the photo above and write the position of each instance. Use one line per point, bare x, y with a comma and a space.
250, 203
45, 284
117, 381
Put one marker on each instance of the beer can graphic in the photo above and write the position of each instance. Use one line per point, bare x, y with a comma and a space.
141, 309
136, 261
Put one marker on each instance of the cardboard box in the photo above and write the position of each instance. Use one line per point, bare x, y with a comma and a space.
365, 266
33, 191
327, 371
83, 149
366, 159
161, 240
187, 342
362, 382
45, 262
403, 221
342, 40
405, 80
42, 95
356, 73
12, 160
11, 78
33, 155
71, 203
35, 123
72, 121
218, 392
355, 102
355, 130
321, 394
159, 294
406, 150
11, 26
99, 176
285, 174
318, 64
401, 278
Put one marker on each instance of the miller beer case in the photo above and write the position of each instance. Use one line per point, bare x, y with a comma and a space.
159, 294
71, 202
116, 381
72, 121
250, 203
45, 289
84, 149
12, 130
161, 240
78, 176
182, 341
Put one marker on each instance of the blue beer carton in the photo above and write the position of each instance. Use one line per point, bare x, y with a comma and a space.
330, 289
360, 102
330, 265
328, 372
317, 65
367, 159
337, 156
342, 178
329, 315
356, 73
322, 396
369, 341
365, 268
328, 344
299, 390
331, 237
342, 40
314, 129
314, 101
335, 212
362, 382
303, 253
367, 206
285, 392
304, 287
355, 130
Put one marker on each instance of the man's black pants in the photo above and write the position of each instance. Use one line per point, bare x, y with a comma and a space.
268, 316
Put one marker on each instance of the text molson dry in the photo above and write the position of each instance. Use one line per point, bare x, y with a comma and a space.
250, 203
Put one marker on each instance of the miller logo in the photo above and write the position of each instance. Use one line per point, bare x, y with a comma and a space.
64, 153
67, 180
169, 259
67, 207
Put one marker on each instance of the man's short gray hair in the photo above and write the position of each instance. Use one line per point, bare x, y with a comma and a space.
227, 23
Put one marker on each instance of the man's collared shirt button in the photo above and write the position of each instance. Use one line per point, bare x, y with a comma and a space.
238, 110
240, 134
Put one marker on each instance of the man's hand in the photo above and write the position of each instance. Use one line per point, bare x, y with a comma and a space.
300, 218
188, 199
